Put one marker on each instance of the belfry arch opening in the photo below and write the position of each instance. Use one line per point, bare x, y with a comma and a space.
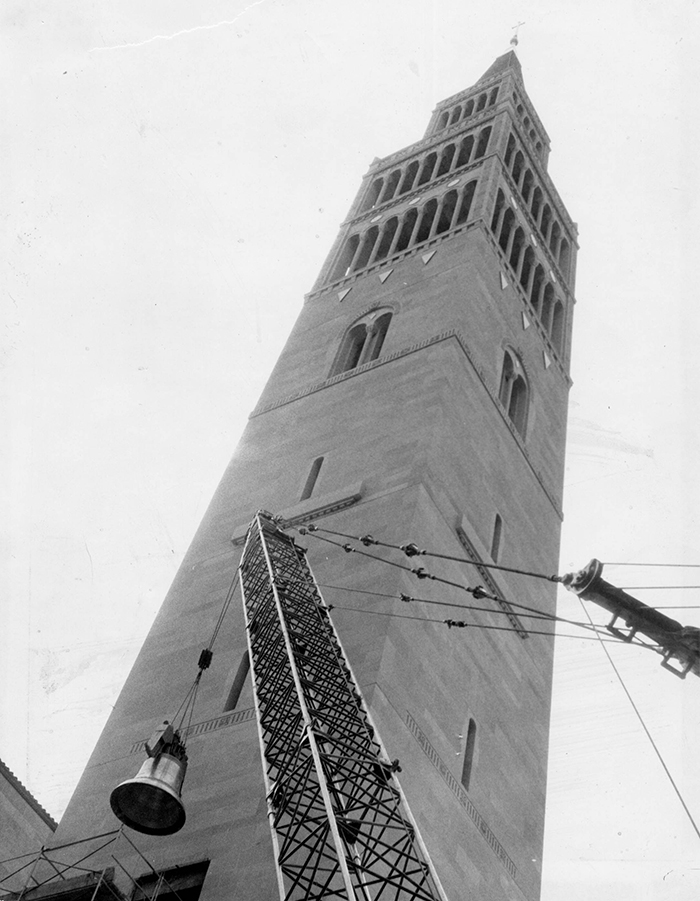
363, 341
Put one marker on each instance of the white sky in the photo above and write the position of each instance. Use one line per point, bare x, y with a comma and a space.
173, 175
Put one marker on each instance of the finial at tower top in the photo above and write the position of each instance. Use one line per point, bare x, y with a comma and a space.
514, 39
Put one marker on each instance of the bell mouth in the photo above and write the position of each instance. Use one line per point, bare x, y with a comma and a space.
150, 803
147, 809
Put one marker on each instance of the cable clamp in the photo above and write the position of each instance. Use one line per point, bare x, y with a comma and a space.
312, 527
348, 548
479, 593
406, 598
367, 540
411, 550
205, 659
421, 573
457, 623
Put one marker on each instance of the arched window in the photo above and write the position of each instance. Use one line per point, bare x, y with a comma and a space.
447, 211
546, 221
513, 392
426, 221
372, 195
493, 96
484, 136
558, 326
547, 307
554, 239
392, 184
564, 258
468, 109
342, 266
465, 204
536, 204
506, 228
510, 150
409, 177
528, 181
517, 170
469, 749
481, 103
456, 113
363, 342
465, 151
446, 160
526, 270
536, 290
497, 210
426, 173
368, 241
407, 228
311, 479
516, 249
443, 120
388, 232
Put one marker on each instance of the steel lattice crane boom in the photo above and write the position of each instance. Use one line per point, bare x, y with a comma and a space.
340, 825
673, 640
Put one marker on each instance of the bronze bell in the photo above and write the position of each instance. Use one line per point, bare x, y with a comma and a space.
151, 802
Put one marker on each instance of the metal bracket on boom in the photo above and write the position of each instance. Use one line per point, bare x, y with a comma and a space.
673, 640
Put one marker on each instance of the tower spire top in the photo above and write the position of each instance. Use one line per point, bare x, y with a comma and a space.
514, 39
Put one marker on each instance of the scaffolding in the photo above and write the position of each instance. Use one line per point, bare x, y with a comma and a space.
340, 825
97, 868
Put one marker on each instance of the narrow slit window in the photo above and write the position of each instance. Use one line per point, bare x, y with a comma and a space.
496, 538
469, 748
238, 683
312, 479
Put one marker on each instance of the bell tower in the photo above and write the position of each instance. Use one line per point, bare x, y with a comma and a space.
421, 400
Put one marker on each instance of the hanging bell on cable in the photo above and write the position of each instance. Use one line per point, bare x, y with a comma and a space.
151, 802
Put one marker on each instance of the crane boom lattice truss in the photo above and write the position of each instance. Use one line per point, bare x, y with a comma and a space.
340, 829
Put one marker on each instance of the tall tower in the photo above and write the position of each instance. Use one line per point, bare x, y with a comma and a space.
421, 397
